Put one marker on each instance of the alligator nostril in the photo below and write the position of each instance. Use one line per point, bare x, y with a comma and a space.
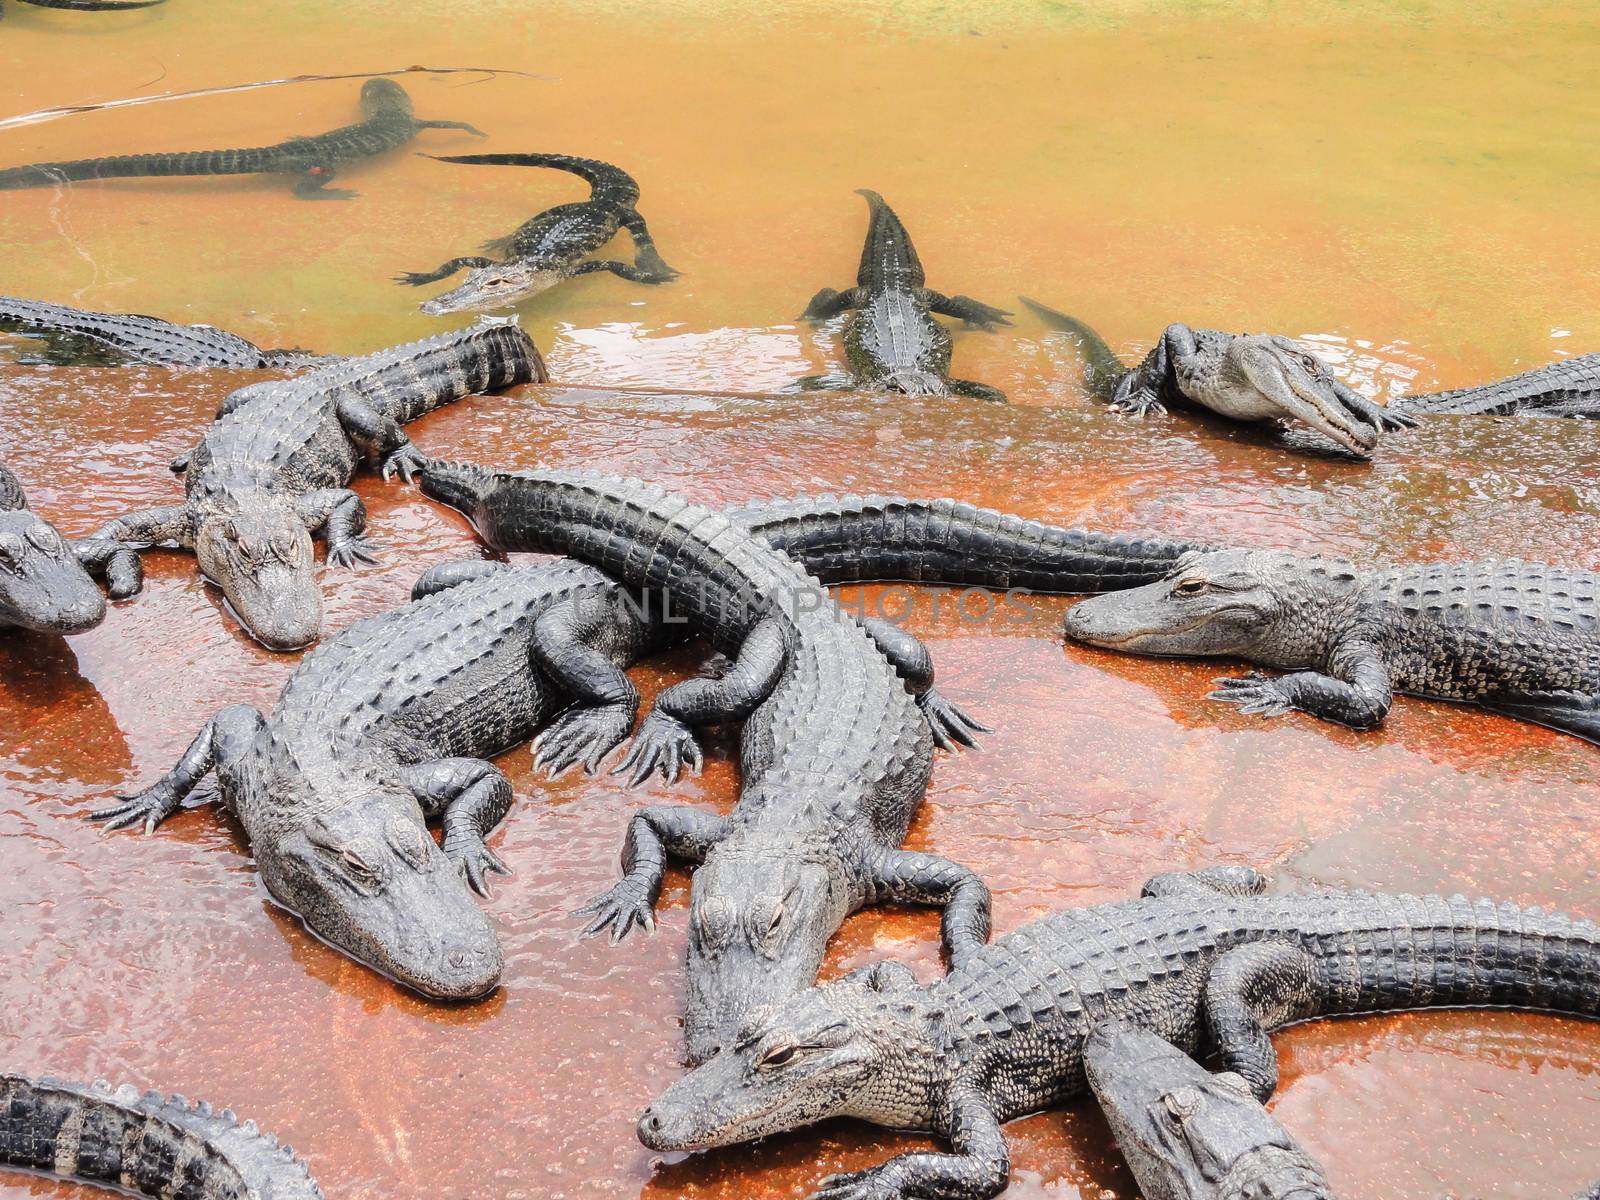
649, 1124
457, 959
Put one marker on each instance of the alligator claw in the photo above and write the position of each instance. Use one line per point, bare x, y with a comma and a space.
413, 279
408, 460
351, 551
871, 1184
1253, 693
149, 807
581, 735
623, 907
951, 727
465, 848
1139, 405
663, 743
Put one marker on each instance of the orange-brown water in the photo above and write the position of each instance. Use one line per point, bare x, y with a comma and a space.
1417, 189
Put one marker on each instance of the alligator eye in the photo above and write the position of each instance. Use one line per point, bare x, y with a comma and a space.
777, 919
1311, 365
778, 1056
45, 538
1189, 587
11, 547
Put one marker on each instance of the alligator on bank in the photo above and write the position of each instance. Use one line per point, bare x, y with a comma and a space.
274, 467
553, 245
1245, 377
1202, 959
88, 5
42, 586
1569, 388
891, 342
1520, 639
387, 124
77, 337
146, 1144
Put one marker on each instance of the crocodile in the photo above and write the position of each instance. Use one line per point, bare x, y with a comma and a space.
1520, 639
1241, 376
1569, 388
42, 587
274, 467
147, 1145
1203, 958
387, 124
391, 720
551, 246
78, 338
891, 342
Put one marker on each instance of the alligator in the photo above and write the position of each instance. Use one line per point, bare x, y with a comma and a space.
1245, 377
275, 464
81, 338
147, 1145
1203, 958
387, 124
89, 5
892, 343
552, 246
42, 587
1569, 388
1520, 639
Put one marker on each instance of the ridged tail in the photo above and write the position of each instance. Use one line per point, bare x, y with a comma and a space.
1102, 369
1570, 388
146, 339
887, 257
141, 166
607, 183
147, 1144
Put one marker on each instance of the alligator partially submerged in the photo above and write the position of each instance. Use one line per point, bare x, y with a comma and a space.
1521, 639
387, 124
552, 246
146, 1144
1569, 388
1245, 377
42, 586
89, 5
274, 467
891, 342
78, 337
1203, 958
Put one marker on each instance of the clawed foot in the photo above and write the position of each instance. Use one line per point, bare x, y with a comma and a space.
464, 847
113, 562
149, 807
623, 907
349, 552
408, 460
1139, 405
872, 1184
581, 735
414, 278
951, 727
663, 743
1253, 693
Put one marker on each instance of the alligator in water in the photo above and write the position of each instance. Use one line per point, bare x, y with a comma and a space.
387, 124
147, 1144
553, 245
1569, 388
1245, 377
89, 5
275, 465
1521, 639
1202, 959
42, 586
77, 337
891, 342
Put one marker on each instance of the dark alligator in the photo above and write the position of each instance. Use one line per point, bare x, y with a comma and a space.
1569, 388
1202, 959
892, 343
89, 5
387, 124
553, 245
274, 467
81, 338
1245, 377
147, 1144
1522, 639
42, 586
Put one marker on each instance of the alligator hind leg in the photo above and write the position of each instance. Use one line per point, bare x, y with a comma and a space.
461, 125
829, 303
645, 255
622, 270
441, 577
379, 434
977, 391
473, 797
1356, 691
911, 878
313, 185
340, 516
422, 278
605, 700
109, 553
909, 657
684, 833
1206, 883
220, 742
1252, 989
973, 312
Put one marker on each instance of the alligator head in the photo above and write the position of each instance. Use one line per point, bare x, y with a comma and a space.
262, 559
381, 96
497, 286
816, 1055
1188, 1134
42, 585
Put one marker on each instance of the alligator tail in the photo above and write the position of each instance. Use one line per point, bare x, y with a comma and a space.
95, 5
140, 166
888, 255
1102, 369
147, 1144
608, 184
462, 486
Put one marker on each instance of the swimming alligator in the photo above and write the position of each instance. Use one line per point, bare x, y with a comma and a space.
273, 468
42, 587
551, 246
1520, 639
78, 337
147, 1144
1203, 958
892, 343
1569, 388
387, 124
1245, 377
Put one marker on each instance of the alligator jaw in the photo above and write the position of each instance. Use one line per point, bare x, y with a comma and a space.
42, 585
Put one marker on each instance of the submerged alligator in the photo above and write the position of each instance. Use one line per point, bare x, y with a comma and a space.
1520, 639
78, 337
42, 586
147, 1144
1245, 377
1202, 958
1569, 388
387, 124
553, 245
274, 466
892, 343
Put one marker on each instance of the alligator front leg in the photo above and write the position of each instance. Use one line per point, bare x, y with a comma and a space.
379, 434
977, 391
909, 657
441, 577
645, 255
1356, 691
473, 796
907, 877
604, 699
339, 515
979, 1168
445, 270
829, 303
684, 833
1138, 393
314, 181
220, 742
1250, 990
973, 312
112, 552
622, 270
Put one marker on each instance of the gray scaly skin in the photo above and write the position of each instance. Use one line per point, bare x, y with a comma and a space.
1203, 958
387, 124
553, 245
42, 587
1245, 377
79, 337
274, 467
1569, 388
147, 1144
892, 343
1522, 639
